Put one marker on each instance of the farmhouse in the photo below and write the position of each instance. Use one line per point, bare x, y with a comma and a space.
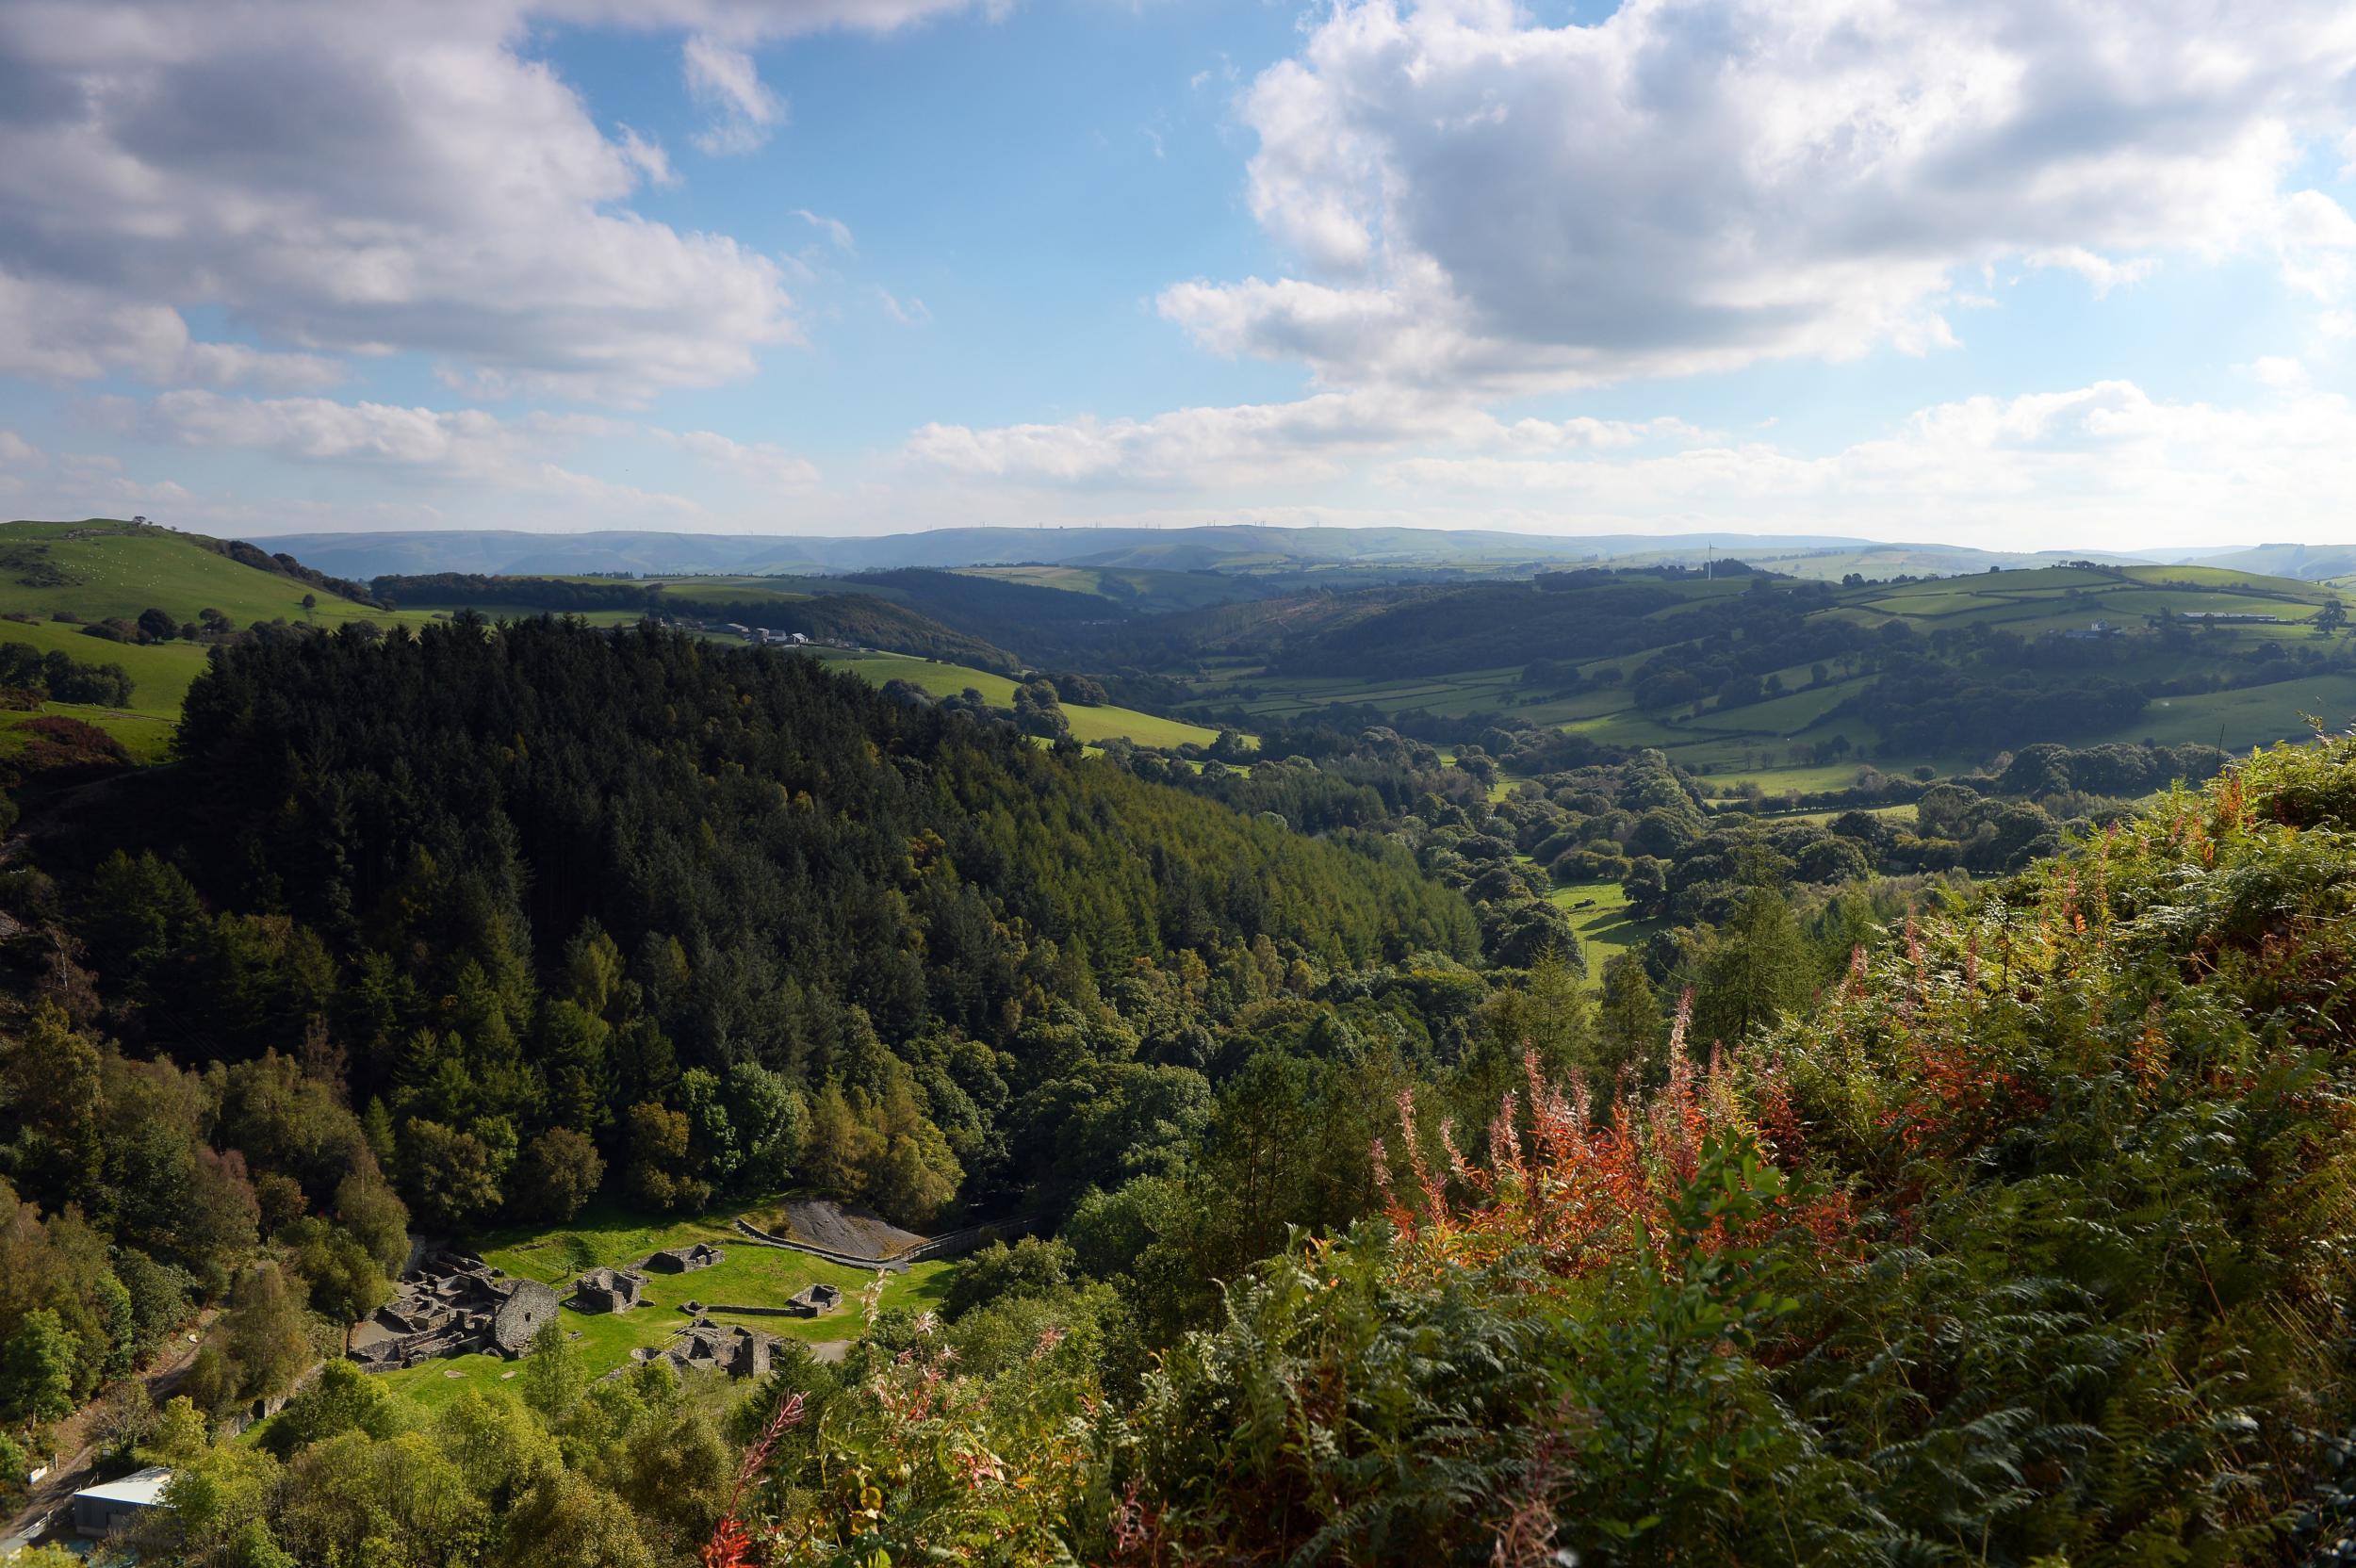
610, 1290
456, 1306
685, 1260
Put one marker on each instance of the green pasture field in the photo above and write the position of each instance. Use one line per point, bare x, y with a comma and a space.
732, 590
749, 1275
1783, 717
146, 736
2253, 716
2221, 577
1139, 588
1604, 930
2185, 601
161, 672
1089, 725
117, 569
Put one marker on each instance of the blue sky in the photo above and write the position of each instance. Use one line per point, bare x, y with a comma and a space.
1982, 271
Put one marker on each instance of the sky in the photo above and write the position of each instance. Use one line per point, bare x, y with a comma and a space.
2016, 273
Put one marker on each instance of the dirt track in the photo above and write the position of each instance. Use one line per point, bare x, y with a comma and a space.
71, 1475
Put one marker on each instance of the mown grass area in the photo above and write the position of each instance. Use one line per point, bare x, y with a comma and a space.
1089, 725
749, 1275
1604, 925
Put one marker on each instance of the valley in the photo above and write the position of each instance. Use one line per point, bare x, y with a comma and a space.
563, 920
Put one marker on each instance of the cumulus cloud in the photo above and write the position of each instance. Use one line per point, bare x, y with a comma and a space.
344, 180
1475, 200
727, 83
60, 330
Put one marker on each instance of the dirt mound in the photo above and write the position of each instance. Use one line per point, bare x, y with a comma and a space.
842, 1228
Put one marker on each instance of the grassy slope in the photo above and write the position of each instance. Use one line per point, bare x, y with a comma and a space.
748, 1276
1089, 725
1604, 930
1137, 588
118, 571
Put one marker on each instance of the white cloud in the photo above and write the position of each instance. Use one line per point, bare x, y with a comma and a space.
15, 450
760, 462
648, 157
744, 21
456, 448
1479, 202
2101, 273
837, 231
725, 82
1316, 439
2105, 465
59, 329
910, 312
345, 179
2283, 372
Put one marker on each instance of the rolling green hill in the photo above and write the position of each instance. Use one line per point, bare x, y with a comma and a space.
104, 569
1797, 684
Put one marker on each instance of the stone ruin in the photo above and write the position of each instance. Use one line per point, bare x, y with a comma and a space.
730, 1348
455, 1305
684, 1260
814, 1300
610, 1290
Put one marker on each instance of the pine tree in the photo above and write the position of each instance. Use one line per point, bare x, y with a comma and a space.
1627, 1028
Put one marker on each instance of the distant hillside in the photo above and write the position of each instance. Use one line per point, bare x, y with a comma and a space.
512, 553
1138, 590
1776, 680
2307, 563
1231, 549
819, 609
1881, 563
